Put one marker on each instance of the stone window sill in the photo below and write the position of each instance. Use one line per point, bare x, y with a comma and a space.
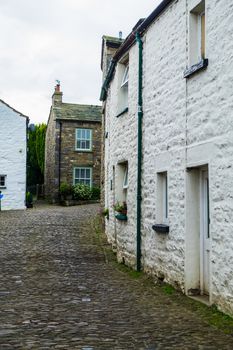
203, 64
83, 151
122, 112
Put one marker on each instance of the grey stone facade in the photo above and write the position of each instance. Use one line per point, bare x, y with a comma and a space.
61, 155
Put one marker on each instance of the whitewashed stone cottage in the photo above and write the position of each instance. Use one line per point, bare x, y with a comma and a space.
168, 112
13, 150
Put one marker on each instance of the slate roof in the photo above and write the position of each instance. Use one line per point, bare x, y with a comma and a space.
77, 112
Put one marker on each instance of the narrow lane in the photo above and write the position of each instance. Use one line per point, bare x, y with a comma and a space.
57, 292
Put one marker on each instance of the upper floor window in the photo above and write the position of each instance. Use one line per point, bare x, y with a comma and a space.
123, 81
83, 140
2, 181
197, 29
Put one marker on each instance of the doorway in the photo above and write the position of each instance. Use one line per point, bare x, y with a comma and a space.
198, 235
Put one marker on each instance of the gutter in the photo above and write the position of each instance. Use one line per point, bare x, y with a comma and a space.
139, 166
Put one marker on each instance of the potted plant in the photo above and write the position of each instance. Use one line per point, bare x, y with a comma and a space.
121, 209
29, 200
66, 191
106, 213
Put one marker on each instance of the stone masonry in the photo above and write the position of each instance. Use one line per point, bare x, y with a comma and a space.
187, 124
61, 157
58, 291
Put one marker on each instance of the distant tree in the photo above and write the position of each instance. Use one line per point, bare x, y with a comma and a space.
35, 156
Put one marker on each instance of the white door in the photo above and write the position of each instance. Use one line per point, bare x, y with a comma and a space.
204, 233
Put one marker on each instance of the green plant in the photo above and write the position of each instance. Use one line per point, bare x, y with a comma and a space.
66, 189
82, 192
106, 213
95, 193
29, 199
120, 207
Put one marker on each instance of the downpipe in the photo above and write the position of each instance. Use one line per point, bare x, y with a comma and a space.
139, 166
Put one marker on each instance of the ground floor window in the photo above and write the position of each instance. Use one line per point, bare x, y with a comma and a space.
83, 175
2, 181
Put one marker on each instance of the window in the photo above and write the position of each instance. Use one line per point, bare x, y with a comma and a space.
123, 80
162, 197
121, 181
2, 181
125, 181
83, 176
197, 33
83, 140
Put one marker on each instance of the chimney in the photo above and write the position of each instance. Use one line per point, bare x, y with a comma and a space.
57, 95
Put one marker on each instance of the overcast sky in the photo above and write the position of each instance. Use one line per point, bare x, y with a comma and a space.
45, 40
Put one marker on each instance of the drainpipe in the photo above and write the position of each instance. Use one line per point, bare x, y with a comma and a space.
139, 168
59, 160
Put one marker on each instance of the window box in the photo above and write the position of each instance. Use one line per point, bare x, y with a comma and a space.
121, 217
161, 228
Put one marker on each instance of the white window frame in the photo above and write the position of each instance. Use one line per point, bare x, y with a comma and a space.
125, 181
83, 140
165, 197
84, 178
125, 78
162, 206
197, 35
3, 176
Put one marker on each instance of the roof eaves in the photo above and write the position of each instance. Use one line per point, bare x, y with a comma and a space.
140, 28
13, 109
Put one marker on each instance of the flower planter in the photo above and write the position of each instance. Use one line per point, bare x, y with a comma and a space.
121, 217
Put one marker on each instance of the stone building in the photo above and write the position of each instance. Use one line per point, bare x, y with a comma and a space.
72, 148
167, 102
13, 155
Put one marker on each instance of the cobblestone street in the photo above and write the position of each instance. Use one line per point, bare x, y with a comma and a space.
58, 292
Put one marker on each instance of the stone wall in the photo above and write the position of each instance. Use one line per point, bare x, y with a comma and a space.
70, 158
13, 148
51, 173
187, 123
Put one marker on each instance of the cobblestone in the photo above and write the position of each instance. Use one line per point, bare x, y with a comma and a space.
58, 292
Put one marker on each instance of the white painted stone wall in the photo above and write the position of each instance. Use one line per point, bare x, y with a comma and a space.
186, 123
13, 157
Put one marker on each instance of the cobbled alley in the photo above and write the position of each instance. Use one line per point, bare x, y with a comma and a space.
58, 291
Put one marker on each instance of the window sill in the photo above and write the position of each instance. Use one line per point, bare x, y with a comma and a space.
122, 112
203, 64
161, 228
84, 151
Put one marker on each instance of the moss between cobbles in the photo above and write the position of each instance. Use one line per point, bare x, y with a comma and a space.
209, 314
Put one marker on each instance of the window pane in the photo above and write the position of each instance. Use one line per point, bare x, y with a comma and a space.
83, 134
88, 173
78, 144
88, 134
76, 173
87, 144
82, 174
79, 133
88, 182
